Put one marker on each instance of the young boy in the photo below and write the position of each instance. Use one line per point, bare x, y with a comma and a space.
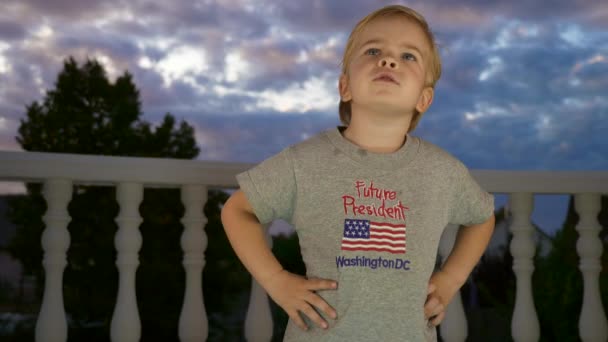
368, 201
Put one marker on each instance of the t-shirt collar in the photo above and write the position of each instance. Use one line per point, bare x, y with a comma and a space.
374, 160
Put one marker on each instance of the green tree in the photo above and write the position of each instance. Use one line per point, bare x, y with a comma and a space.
557, 286
558, 282
488, 296
86, 113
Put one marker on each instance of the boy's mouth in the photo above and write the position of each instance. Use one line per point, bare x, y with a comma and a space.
385, 77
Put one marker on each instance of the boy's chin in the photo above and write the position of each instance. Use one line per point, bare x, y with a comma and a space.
391, 109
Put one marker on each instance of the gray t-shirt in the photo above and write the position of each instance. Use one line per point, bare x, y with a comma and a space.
372, 222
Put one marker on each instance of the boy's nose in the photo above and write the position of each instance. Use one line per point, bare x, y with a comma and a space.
388, 62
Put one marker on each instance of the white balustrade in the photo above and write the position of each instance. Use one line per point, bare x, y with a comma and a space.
193, 325
454, 326
126, 325
52, 324
592, 322
258, 322
524, 324
59, 172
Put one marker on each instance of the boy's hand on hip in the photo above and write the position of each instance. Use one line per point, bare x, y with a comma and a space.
441, 290
296, 294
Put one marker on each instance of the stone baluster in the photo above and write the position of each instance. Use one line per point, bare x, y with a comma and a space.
126, 325
52, 325
193, 325
454, 325
592, 322
258, 322
524, 325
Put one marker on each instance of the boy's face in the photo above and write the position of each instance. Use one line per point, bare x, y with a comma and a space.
388, 68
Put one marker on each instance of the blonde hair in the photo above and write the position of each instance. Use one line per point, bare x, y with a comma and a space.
434, 63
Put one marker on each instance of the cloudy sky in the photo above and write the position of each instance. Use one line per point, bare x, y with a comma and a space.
523, 86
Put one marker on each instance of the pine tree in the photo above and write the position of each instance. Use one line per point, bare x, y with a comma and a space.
86, 113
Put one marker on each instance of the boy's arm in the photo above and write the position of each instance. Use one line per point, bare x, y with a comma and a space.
293, 293
471, 242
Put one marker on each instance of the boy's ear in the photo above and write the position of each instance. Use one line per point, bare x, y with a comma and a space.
425, 100
343, 88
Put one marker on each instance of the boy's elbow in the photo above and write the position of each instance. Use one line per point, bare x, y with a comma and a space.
235, 207
491, 221
489, 224
227, 210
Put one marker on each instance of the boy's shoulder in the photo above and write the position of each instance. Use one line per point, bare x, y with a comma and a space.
322, 145
433, 153
317, 142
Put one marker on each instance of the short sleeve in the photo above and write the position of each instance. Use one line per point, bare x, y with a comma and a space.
270, 187
470, 203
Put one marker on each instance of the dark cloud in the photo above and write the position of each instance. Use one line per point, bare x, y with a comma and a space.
470, 12
593, 76
526, 114
321, 16
259, 135
11, 30
61, 9
94, 41
20, 90
569, 139
273, 64
538, 105
179, 18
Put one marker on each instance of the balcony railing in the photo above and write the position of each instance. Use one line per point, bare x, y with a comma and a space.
59, 172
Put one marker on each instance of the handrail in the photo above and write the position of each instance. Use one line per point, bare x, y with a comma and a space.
165, 172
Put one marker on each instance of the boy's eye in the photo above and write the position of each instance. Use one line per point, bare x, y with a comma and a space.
372, 51
408, 56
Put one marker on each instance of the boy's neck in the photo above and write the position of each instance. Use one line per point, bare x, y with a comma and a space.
378, 134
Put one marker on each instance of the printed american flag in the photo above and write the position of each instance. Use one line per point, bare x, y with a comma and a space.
365, 235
